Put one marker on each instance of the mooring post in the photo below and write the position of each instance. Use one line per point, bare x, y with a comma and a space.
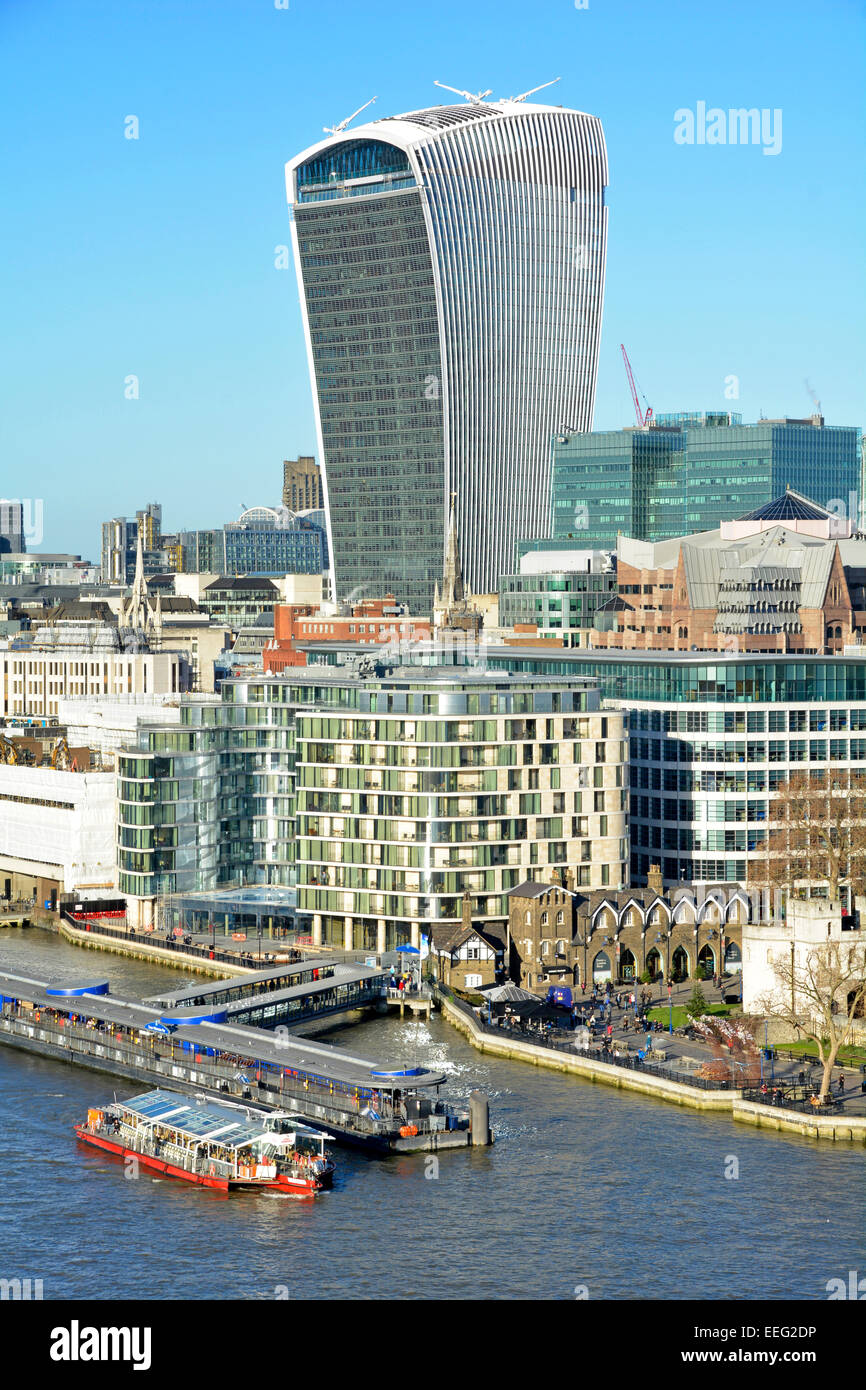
479, 1118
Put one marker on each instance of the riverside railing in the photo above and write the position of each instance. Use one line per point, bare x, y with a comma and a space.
564, 1041
203, 951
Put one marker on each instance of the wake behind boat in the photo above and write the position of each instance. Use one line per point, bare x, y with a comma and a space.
224, 1146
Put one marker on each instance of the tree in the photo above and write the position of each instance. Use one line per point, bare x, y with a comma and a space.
819, 994
697, 1005
817, 833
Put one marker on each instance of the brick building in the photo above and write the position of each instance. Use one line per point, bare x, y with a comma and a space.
789, 577
559, 936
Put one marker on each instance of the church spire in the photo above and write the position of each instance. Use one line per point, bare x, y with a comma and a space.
453, 585
136, 609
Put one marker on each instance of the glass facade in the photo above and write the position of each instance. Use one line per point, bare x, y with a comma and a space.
556, 603
275, 550
617, 482
452, 266
383, 799
692, 473
371, 305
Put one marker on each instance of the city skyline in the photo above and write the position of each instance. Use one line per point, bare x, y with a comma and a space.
166, 266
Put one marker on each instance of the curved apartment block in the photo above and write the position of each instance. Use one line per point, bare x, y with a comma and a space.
451, 266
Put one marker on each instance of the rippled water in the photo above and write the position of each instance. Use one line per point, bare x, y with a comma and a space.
584, 1186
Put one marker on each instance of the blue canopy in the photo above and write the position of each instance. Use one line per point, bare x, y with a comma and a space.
409, 950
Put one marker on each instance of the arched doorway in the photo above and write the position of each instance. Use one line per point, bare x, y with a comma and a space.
601, 967
679, 965
733, 958
654, 964
627, 964
707, 959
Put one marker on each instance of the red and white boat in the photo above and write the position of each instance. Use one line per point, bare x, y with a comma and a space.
213, 1143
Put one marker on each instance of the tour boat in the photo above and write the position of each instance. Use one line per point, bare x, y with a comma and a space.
217, 1144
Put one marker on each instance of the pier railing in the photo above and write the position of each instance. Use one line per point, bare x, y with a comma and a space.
239, 1077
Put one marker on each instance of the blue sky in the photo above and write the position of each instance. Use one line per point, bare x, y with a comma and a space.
155, 257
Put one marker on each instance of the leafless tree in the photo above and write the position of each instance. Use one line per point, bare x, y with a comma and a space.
817, 834
819, 993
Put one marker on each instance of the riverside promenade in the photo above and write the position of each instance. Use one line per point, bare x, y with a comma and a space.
673, 1079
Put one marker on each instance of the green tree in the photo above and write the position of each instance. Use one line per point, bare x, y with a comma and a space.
697, 1005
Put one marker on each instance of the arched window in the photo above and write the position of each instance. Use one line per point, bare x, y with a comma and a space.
528, 919
544, 918
560, 918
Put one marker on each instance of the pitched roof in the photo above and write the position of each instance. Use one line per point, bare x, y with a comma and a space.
791, 506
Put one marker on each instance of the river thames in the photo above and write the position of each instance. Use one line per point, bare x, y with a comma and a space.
587, 1192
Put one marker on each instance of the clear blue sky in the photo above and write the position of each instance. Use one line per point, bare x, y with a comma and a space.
155, 257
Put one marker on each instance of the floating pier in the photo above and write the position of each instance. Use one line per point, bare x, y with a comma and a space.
383, 1107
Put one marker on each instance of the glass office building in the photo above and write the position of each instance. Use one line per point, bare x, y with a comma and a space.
617, 482
691, 471
273, 541
710, 741
451, 264
731, 471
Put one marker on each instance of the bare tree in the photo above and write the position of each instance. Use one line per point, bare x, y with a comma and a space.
819, 995
817, 833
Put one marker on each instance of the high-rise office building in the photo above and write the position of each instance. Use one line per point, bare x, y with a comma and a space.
302, 484
120, 544
451, 263
691, 472
11, 527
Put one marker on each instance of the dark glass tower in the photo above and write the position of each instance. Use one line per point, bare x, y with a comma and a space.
451, 264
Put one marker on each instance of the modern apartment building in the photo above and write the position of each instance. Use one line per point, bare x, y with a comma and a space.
384, 798
451, 263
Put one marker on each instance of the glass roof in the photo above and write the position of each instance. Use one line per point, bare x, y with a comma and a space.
200, 1122
789, 507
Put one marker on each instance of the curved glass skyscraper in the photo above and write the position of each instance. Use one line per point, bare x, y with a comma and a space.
451, 263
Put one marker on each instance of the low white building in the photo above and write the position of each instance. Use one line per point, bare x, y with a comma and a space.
57, 832
787, 943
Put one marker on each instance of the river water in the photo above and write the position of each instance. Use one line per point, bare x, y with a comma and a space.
587, 1192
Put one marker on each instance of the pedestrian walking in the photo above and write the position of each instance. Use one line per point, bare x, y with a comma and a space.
841, 1082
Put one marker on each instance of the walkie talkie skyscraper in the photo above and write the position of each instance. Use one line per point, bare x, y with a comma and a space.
451, 265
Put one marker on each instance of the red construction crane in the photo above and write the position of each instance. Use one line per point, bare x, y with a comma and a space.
641, 418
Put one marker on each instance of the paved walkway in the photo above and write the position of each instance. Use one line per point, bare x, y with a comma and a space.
691, 1054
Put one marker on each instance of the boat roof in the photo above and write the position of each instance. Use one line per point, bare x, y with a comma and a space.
204, 1123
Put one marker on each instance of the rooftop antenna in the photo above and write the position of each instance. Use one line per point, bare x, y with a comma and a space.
336, 129
533, 90
477, 98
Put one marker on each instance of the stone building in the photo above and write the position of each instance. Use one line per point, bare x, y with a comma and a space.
560, 936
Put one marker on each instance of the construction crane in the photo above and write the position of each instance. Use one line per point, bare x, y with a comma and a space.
816, 403
642, 419
338, 129
477, 98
